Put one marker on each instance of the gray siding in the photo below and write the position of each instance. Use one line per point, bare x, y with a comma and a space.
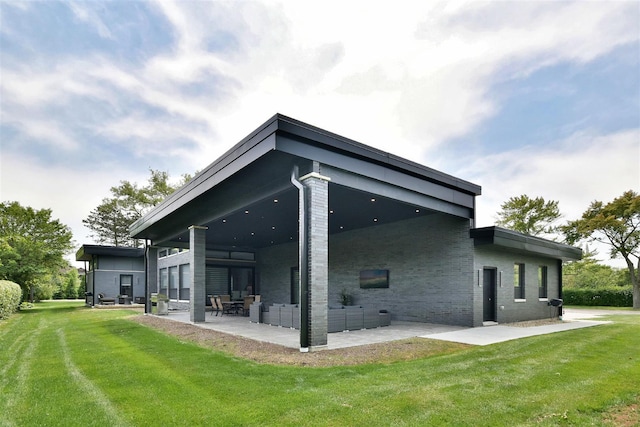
106, 278
430, 261
508, 310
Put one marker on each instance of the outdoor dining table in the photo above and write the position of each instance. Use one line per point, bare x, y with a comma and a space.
233, 305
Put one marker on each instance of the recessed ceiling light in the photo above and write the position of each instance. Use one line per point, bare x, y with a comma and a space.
224, 220
417, 210
375, 219
373, 199
341, 227
273, 227
331, 211
253, 234
246, 212
275, 200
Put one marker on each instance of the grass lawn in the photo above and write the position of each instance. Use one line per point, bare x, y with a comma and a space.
65, 365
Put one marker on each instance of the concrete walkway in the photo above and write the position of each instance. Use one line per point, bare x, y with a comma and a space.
484, 335
572, 319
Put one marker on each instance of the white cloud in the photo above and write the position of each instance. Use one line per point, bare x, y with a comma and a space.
89, 16
428, 66
421, 72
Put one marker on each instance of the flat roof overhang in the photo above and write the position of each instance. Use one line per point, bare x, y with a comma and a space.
246, 197
515, 242
86, 252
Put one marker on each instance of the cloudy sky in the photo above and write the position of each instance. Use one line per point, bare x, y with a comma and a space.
539, 98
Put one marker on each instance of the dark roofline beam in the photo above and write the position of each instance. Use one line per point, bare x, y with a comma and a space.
202, 183
385, 189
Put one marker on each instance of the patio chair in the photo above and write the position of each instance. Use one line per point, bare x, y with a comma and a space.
214, 305
224, 304
248, 300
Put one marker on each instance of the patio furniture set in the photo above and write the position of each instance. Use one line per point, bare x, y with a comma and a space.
340, 318
120, 299
223, 304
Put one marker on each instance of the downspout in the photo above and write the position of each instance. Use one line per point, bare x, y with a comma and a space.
93, 269
561, 308
147, 299
84, 264
303, 262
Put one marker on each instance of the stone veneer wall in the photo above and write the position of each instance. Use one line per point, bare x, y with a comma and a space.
430, 260
508, 310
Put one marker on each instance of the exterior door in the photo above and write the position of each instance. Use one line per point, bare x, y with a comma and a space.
489, 290
126, 285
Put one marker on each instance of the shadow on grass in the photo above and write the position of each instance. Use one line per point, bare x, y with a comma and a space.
57, 306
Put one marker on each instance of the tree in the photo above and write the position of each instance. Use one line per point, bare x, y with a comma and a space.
616, 224
110, 221
32, 245
534, 217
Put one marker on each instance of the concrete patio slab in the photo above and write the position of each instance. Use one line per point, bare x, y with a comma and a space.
241, 326
485, 335
573, 318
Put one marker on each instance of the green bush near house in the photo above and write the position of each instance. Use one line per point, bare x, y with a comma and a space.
619, 296
10, 297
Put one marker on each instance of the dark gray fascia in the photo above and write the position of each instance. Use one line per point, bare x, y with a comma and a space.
517, 242
86, 251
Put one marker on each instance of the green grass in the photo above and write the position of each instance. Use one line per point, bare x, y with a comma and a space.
63, 364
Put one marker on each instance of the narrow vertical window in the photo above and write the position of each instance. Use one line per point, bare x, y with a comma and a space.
164, 281
185, 275
518, 281
173, 283
542, 281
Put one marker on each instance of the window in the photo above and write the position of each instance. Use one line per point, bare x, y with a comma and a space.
164, 281
542, 281
173, 282
185, 275
518, 281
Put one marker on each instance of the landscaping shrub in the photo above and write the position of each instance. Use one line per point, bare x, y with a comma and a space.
610, 297
10, 297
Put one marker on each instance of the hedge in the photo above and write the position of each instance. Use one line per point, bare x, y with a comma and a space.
608, 297
10, 297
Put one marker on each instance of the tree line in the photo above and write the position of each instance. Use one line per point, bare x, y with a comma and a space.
33, 244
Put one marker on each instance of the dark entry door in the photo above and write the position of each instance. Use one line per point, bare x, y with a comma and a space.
489, 286
126, 285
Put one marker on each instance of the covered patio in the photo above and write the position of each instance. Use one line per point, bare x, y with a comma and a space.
304, 212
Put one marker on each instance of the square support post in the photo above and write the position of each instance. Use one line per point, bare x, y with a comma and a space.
197, 285
316, 239
151, 273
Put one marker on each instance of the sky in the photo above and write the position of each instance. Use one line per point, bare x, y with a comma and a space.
538, 98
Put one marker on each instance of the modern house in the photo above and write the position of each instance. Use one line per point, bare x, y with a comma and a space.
301, 215
113, 271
